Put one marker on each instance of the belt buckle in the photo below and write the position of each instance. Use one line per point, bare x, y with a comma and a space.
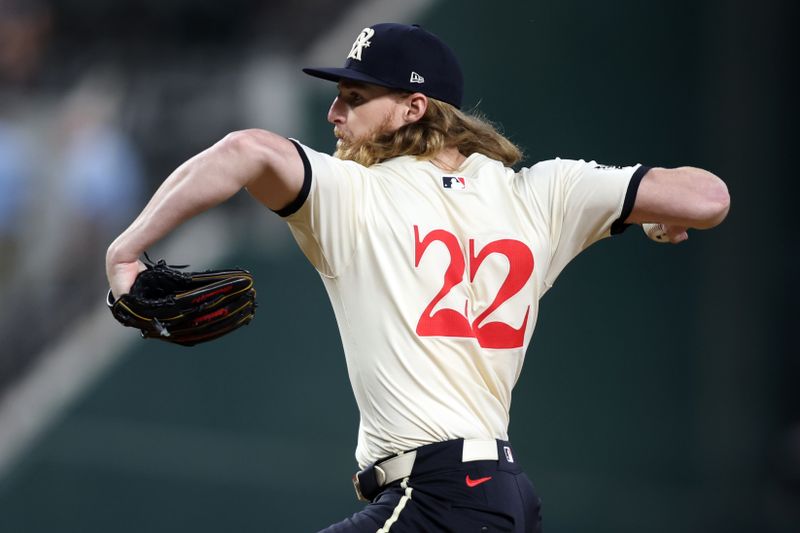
357, 486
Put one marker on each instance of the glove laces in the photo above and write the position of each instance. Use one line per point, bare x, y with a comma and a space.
150, 264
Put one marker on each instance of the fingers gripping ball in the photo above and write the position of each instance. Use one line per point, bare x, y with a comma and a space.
186, 308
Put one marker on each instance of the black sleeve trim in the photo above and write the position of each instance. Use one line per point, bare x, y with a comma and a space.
619, 225
298, 202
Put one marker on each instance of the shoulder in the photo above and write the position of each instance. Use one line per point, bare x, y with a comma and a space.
323, 164
575, 169
553, 167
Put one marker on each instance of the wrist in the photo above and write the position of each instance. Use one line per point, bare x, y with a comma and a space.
119, 253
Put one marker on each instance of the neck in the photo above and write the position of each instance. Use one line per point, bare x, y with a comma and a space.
449, 159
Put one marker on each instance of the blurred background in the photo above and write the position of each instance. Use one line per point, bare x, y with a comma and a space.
661, 390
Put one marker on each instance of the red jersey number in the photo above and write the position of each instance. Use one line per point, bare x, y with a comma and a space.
451, 323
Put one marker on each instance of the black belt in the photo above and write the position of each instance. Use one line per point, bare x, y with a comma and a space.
369, 482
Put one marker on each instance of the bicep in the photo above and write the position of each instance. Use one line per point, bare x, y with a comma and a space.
686, 196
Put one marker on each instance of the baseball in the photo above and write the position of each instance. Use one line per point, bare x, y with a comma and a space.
655, 232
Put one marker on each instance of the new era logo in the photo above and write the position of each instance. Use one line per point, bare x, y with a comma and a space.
454, 182
416, 78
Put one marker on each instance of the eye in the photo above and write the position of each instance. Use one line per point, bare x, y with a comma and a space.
354, 99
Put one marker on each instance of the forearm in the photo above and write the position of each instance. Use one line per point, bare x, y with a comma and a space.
204, 181
687, 197
268, 165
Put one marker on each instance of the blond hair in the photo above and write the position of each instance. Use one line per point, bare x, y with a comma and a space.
442, 126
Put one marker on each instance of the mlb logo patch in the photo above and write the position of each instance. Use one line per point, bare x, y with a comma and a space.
454, 183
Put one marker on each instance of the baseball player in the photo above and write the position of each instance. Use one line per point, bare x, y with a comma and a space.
434, 253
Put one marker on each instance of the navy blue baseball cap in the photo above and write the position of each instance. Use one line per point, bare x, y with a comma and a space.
404, 57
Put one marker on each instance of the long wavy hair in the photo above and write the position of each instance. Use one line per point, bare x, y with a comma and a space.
442, 126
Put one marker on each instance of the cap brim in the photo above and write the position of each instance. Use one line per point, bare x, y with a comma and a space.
337, 74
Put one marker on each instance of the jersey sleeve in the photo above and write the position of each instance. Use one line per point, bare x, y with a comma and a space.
581, 202
326, 216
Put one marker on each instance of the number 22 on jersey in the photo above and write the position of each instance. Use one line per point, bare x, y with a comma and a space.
448, 322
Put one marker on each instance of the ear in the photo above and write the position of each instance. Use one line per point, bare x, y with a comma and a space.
416, 105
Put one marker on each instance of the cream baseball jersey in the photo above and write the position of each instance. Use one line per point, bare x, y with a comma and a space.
435, 279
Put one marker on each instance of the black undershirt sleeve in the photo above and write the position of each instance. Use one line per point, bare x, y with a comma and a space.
619, 225
298, 202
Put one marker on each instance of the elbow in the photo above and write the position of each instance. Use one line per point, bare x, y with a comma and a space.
247, 142
240, 140
238, 144
716, 203
253, 150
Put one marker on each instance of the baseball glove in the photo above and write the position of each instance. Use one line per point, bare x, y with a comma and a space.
186, 307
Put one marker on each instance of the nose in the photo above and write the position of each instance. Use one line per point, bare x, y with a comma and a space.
336, 112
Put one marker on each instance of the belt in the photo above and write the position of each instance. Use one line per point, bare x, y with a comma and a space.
369, 481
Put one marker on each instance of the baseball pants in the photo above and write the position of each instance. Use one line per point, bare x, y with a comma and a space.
446, 493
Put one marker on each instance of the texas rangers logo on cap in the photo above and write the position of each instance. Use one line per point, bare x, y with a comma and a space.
361, 42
